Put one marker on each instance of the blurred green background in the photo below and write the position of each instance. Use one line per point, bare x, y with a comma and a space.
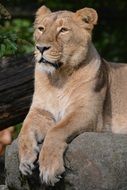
109, 36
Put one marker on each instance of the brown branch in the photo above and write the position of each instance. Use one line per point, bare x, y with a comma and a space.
16, 89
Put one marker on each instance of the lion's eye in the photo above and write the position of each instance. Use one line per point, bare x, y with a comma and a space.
41, 28
62, 30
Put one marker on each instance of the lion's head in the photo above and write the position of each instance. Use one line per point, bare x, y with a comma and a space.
62, 37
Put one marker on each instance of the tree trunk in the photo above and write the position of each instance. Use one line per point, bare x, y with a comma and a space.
16, 89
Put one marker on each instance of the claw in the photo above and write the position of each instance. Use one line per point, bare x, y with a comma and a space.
26, 168
49, 179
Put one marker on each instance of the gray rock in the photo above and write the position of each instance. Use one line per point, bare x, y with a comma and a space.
94, 161
97, 161
14, 179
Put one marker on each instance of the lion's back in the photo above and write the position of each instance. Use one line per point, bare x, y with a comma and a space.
117, 98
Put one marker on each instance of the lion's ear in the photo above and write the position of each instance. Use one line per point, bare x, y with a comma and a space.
88, 15
41, 13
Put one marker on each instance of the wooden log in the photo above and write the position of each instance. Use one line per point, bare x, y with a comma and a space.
16, 89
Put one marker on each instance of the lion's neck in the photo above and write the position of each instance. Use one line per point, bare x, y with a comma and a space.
93, 58
91, 64
88, 68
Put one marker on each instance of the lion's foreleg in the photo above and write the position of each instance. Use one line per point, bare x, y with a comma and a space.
34, 129
55, 143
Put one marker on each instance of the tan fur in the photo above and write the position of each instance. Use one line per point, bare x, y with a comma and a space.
80, 92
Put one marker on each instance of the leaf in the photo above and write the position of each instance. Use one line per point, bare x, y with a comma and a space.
11, 44
2, 50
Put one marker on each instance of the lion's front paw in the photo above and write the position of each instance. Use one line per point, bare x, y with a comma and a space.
26, 167
28, 154
27, 164
51, 164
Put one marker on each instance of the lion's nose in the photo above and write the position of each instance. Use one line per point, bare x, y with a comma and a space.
42, 48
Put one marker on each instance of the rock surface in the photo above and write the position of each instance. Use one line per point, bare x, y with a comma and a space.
94, 161
14, 179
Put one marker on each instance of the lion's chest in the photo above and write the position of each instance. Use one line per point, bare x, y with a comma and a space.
55, 101
62, 99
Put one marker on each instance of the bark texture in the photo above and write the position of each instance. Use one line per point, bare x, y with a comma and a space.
16, 89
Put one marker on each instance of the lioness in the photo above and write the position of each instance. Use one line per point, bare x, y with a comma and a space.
75, 91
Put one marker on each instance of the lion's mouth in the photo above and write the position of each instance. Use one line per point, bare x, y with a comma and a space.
56, 65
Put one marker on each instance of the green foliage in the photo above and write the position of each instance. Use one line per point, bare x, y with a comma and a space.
17, 130
16, 37
110, 40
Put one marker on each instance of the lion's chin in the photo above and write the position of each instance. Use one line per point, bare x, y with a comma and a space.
55, 65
